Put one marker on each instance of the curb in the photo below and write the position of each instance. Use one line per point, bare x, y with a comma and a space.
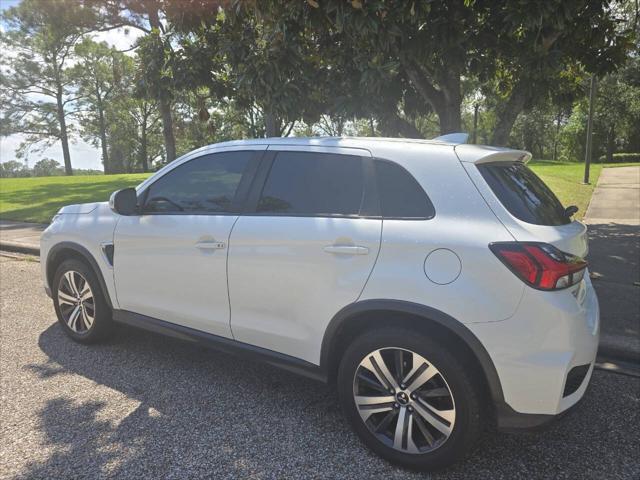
612, 350
20, 248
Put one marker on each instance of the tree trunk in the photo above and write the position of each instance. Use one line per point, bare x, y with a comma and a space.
446, 101
252, 123
167, 129
143, 146
476, 107
103, 137
164, 103
507, 114
449, 115
64, 138
272, 129
396, 126
611, 145
555, 138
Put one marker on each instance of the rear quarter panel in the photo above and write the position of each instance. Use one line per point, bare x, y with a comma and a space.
484, 291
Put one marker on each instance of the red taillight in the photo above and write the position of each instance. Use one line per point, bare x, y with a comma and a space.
540, 265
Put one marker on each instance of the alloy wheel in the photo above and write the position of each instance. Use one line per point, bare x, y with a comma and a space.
76, 302
404, 400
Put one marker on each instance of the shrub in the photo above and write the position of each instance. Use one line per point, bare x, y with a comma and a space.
621, 157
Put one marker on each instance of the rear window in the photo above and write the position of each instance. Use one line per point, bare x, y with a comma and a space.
523, 193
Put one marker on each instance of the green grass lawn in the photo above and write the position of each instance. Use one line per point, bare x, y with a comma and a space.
38, 199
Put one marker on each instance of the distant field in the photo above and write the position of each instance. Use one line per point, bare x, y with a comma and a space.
38, 199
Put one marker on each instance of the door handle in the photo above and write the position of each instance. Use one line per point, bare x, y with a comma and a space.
210, 245
346, 249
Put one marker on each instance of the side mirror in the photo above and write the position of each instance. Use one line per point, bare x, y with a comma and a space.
124, 202
570, 211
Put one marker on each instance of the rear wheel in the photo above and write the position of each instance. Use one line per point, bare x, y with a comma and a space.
409, 399
80, 304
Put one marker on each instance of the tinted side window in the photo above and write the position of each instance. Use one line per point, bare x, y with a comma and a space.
310, 183
206, 184
401, 196
523, 193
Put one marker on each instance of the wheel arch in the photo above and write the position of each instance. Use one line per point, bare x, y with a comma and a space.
360, 316
65, 250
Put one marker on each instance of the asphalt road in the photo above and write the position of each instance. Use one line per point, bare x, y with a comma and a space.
144, 406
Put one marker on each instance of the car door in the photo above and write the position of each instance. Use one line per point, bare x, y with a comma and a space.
305, 248
170, 260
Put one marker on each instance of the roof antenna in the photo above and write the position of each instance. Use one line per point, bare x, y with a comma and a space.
458, 137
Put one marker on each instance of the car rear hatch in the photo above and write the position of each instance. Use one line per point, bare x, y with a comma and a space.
520, 199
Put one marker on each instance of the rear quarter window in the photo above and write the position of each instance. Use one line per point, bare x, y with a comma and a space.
401, 196
524, 194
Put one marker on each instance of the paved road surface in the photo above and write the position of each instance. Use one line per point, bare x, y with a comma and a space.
614, 242
144, 406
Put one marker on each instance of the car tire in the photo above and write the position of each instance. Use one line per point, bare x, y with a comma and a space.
80, 304
412, 436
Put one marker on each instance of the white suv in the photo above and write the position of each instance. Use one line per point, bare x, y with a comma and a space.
441, 286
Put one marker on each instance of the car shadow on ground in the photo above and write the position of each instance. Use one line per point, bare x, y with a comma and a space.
614, 257
201, 413
197, 409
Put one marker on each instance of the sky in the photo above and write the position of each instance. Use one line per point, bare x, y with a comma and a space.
83, 155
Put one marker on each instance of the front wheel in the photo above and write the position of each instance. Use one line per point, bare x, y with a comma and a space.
409, 399
80, 304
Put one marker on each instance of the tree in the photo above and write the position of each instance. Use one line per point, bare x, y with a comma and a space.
47, 167
417, 50
617, 111
156, 82
13, 168
97, 75
115, 114
435, 46
134, 133
266, 63
155, 79
144, 117
543, 47
35, 80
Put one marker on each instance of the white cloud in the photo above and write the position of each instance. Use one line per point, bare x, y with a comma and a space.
121, 38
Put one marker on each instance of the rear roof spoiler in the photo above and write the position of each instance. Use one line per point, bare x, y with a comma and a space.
458, 137
483, 154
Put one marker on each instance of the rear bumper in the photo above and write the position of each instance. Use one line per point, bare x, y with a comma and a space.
544, 354
508, 420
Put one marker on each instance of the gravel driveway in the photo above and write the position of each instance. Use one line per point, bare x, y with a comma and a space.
152, 407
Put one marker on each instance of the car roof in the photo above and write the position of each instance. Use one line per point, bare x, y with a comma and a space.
465, 152
361, 142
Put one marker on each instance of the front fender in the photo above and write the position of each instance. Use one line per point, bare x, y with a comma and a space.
73, 250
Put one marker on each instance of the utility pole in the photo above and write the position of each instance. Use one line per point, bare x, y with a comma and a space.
475, 122
587, 155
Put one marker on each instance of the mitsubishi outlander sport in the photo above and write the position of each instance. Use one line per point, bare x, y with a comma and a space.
440, 286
